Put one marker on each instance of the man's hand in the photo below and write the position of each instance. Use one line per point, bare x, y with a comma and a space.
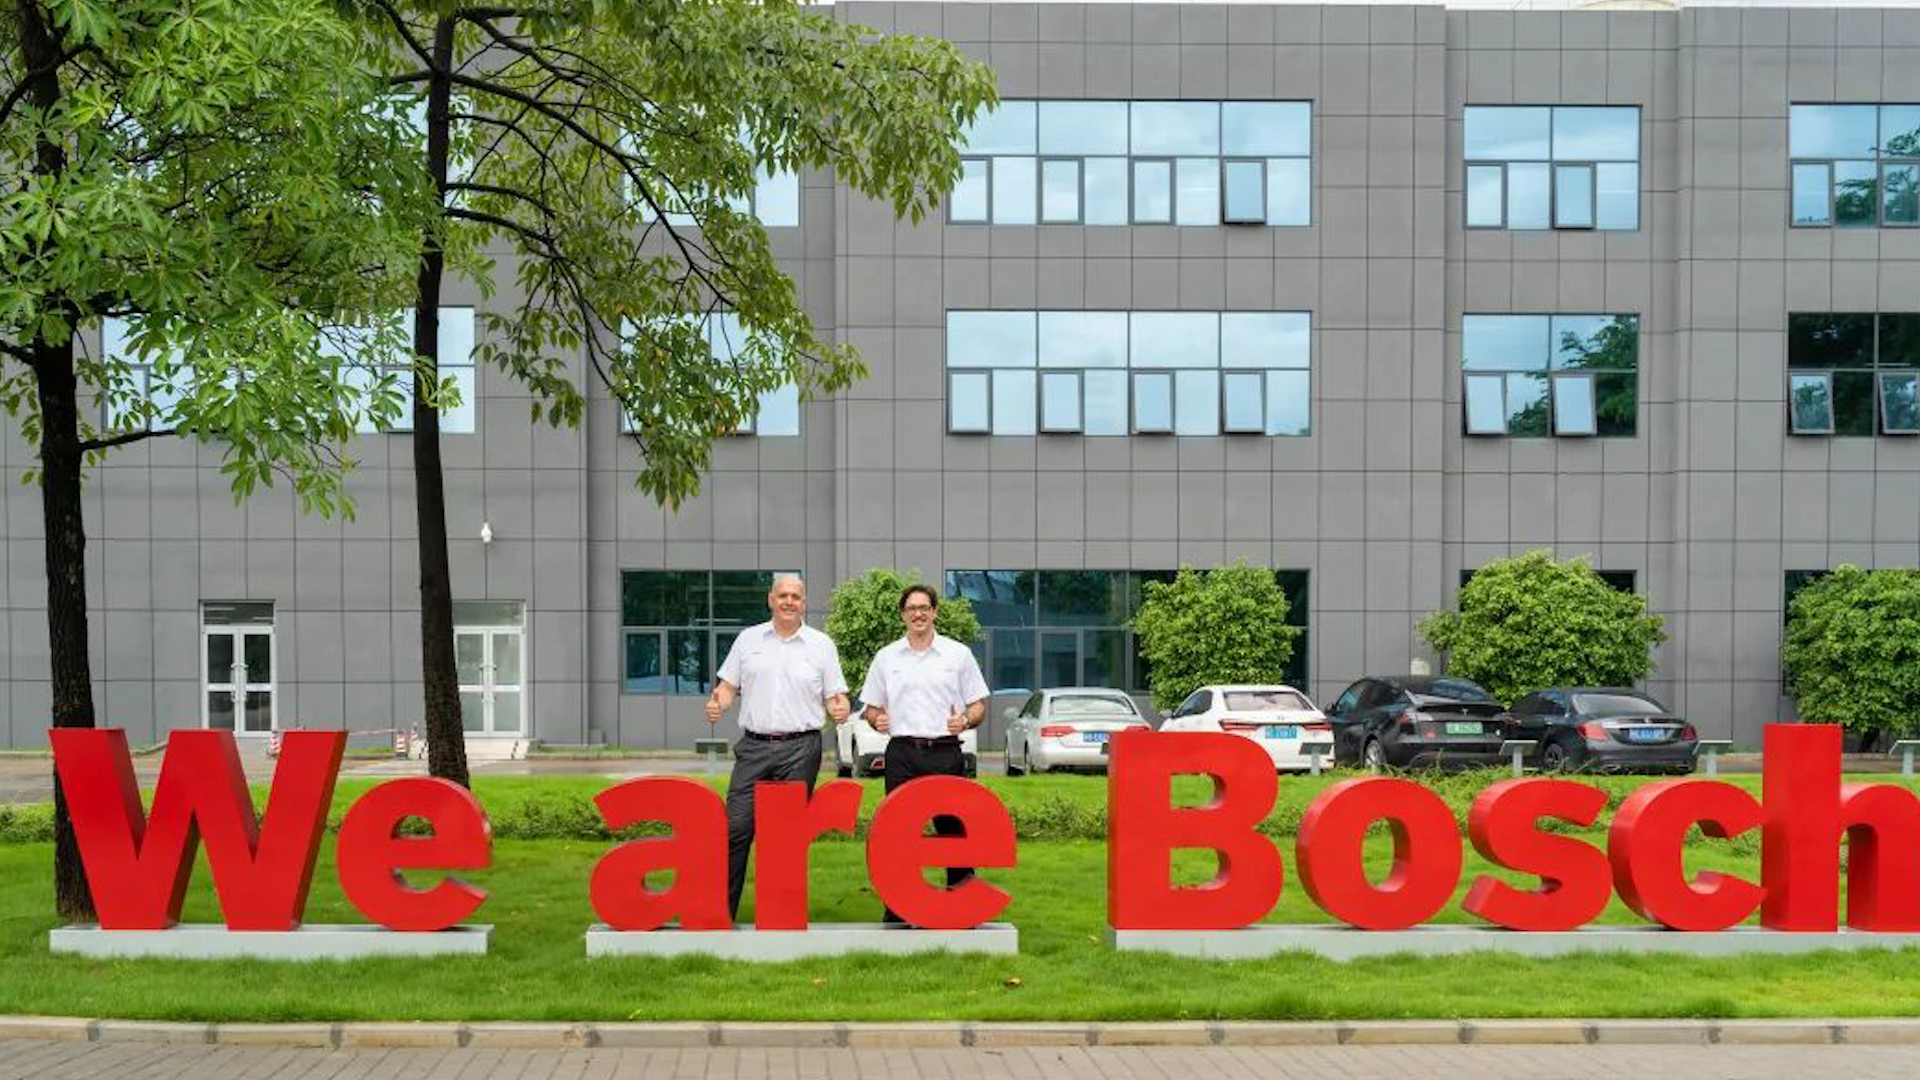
837, 708
957, 722
714, 709
877, 716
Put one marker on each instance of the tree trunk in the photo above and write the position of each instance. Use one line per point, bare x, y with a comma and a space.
446, 741
60, 463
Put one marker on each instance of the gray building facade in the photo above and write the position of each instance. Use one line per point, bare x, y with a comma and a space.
1466, 192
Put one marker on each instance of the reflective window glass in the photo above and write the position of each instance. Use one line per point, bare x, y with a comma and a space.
1083, 339
1900, 340
1856, 193
1060, 401
1572, 197
776, 199
663, 597
1082, 598
1899, 407
1853, 394
1262, 128
1504, 342
1829, 339
1106, 191
1060, 192
1505, 133
1153, 192
1105, 411
779, 412
1833, 131
1246, 188
1196, 399
1197, 198
969, 199
998, 597
1527, 404
1900, 194
1616, 199
1153, 402
1486, 405
1584, 133
1289, 191
1811, 194
1485, 191
967, 402
1573, 405
1810, 404
990, 339
1014, 191
1013, 660
1900, 131
1009, 129
1170, 339
1083, 128
1529, 195
642, 669
1013, 403
1265, 339
1595, 341
1616, 403
1289, 403
1176, 127
1245, 404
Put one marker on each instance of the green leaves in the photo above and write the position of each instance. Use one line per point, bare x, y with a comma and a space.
1852, 649
1529, 622
865, 617
1226, 625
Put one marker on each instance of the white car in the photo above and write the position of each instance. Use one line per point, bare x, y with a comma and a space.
858, 750
1068, 728
1279, 718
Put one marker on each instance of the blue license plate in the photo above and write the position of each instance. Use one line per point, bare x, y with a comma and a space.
1646, 734
1282, 731
1096, 736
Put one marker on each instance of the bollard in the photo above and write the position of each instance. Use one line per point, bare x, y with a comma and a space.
1314, 752
712, 749
1713, 748
1905, 748
1518, 749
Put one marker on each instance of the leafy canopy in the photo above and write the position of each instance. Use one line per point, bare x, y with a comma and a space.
1226, 625
216, 174
1853, 649
865, 617
1529, 622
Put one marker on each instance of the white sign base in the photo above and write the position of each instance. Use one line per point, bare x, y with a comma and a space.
210, 941
1337, 942
818, 939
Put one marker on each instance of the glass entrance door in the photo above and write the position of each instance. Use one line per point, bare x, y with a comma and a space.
490, 660
239, 678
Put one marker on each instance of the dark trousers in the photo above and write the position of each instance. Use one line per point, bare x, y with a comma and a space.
755, 760
909, 759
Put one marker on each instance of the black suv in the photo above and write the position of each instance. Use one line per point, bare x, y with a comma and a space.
1415, 721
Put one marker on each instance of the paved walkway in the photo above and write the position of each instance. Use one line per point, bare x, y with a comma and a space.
134, 1061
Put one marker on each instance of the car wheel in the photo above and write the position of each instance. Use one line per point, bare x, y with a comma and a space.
1560, 756
842, 769
1375, 756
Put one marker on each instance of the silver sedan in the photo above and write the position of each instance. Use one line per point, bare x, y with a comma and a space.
1068, 728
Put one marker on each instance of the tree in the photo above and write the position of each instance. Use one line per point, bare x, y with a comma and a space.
613, 148
1226, 625
1529, 622
185, 168
1852, 650
864, 617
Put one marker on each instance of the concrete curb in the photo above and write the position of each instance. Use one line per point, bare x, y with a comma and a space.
559, 1035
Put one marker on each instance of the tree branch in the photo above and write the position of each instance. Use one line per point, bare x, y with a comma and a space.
88, 446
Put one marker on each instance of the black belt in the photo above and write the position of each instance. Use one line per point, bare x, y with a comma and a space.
929, 741
780, 736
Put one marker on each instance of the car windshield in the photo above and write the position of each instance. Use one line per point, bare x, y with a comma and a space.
1094, 708
1605, 705
1265, 701
1452, 690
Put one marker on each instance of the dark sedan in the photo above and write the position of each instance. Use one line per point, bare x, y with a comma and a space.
1416, 721
1603, 729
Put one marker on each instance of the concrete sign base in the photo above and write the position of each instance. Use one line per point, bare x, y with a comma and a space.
206, 941
818, 939
1346, 943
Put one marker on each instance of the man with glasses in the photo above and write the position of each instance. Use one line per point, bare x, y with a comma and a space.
783, 670
922, 692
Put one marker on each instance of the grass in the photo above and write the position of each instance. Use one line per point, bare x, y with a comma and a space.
1065, 970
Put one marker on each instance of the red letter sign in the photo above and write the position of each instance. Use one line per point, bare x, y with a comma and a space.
1426, 853
370, 855
137, 865
1644, 844
1574, 882
1806, 811
785, 824
696, 853
1146, 828
898, 850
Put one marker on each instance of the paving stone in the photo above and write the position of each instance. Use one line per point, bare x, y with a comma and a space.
46, 1028
1526, 1032
399, 1036
151, 1031
273, 1034
647, 1036
535, 1036
1280, 1034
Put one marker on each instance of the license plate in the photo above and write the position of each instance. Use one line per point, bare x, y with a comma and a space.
1646, 734
1463, 727
1282, 731
1096, 736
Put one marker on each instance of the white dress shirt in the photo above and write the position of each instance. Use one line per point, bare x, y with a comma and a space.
920, 688
784, 681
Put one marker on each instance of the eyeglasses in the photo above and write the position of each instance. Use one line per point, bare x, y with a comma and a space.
917, 609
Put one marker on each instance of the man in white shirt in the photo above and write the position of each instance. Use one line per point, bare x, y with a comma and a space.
923, 691
783, 671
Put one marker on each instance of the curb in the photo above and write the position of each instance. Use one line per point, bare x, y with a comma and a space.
559, 1035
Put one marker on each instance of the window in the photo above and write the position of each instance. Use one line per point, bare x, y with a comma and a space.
1855, 165
1843, 368
1188, 163
1047, 628
779, 409
677, 625
1115, 372
1562, 166
1541, 375
146, 399
456, 367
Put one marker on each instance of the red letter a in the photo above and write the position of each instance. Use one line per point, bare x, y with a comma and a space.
696, 853
137, 865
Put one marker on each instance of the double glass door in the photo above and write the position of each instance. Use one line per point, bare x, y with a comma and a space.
491, 662
239, 674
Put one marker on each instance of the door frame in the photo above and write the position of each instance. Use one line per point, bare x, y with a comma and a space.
488, 634
271, 688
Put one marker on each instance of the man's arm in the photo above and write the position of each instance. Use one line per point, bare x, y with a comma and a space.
719, 701
837, 708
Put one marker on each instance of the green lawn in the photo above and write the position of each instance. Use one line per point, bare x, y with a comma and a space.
1065, 971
